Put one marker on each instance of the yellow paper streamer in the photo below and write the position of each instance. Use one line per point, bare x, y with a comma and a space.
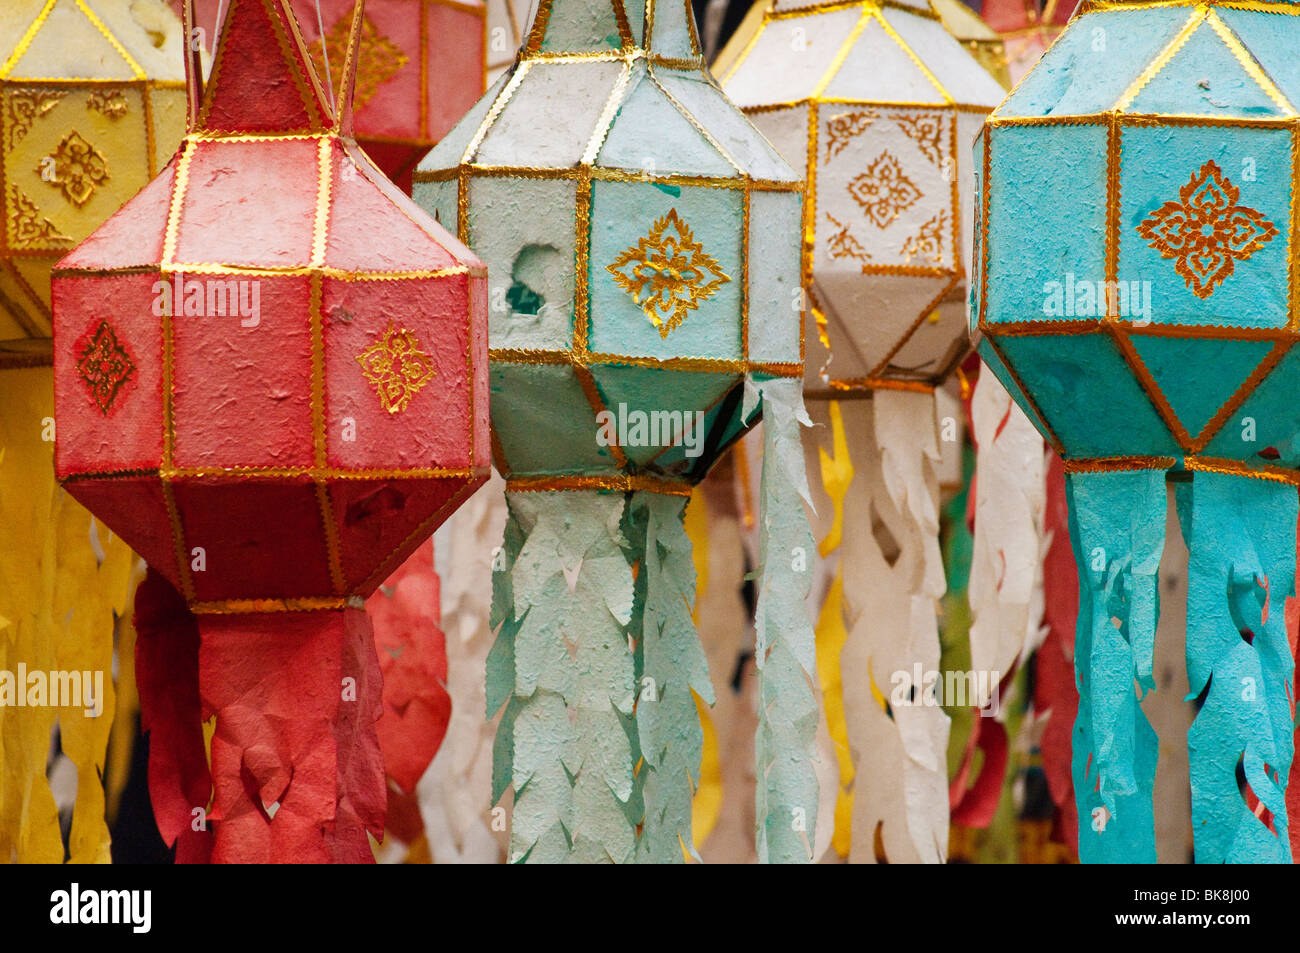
706, 805
59, 597
837, 474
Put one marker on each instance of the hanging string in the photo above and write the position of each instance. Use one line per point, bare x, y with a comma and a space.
325, 55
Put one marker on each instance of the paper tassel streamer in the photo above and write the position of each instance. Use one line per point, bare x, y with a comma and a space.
885, 246
643, 237
275, 463
456, 792
1158, 297
420, 65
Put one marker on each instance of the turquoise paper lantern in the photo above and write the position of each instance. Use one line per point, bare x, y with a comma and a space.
1138, 293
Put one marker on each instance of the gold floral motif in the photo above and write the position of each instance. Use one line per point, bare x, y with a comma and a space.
928, 242
105, 366
109, 102
397, 367
75, 165
843, 245
378, 58
883, 191
925, 131
1206, 232
668, 273
26, 224
844, 128
28, 105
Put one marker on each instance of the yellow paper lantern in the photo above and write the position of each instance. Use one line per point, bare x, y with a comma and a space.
92, 104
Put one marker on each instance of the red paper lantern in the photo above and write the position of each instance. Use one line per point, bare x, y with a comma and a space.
270, 380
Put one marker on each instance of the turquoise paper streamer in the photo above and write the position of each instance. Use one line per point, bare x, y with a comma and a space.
787, 710
1241, 533
671, 664
562, 668
1117, 529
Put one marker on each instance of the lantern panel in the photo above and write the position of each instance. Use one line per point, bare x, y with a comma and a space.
550, 399
265, 536
1236, 280
1262, 427
877, 69
1195, 400
524, 131
1235, 93
259, 364
1110, 64
816, 40
412, 352
136, 509
1090, 374
532, 292
774, 275
635, 397
225, 184
1272, 48
593, 30
678, 148
378, 520
946, 59
1048, 194
733, 133
117, 387
678, 275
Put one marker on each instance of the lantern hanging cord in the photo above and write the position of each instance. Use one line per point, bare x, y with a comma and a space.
325, 55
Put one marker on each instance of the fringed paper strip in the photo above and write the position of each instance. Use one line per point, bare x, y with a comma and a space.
1241, 534
1056, 694
562, 668
1117, 526
787, 791
167, 674
456, 791
63, 579
671, 667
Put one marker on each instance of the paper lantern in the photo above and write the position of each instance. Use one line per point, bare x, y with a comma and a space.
91, 105
643, 239
92, 102
1136, 296
1027, 28
877, 105
507, 27
275, 410
420, 66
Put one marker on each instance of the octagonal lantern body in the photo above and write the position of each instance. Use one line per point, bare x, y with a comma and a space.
877, 105
641, 237
262, 397
92, 102
1137, 214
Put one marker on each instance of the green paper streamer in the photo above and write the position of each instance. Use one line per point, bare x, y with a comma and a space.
1241, 533
787, 789
671, 664
562, 668
1117, 527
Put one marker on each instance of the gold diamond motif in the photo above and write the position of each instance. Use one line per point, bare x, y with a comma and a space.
378, 58
1206, 232
925, 131
75, 165
883, 191
397, 367
843, 245
668, 273
105, 366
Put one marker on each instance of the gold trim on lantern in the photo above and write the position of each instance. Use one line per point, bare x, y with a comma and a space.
623, 483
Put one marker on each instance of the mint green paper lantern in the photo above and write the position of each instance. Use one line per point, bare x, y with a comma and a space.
643, 249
